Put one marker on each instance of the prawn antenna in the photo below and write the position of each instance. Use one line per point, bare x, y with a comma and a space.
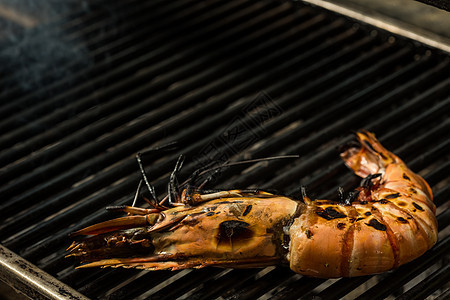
190, 182
150, 187
172, 188
137, 193
242, 162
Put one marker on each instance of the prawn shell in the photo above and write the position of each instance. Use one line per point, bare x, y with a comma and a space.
372, 251
204, 232
338, 247
399, 175
409, 185
407, 237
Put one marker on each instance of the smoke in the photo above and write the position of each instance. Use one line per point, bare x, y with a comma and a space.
34, 46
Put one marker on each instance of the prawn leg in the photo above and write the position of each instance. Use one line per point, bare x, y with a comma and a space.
191, 195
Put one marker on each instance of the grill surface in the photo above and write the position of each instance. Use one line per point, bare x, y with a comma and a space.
139, 75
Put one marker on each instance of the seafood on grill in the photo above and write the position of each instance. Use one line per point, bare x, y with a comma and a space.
387, 221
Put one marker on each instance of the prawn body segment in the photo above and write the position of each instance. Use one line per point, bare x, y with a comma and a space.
386, 222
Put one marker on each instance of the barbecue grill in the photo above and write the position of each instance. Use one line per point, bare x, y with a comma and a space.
99, 81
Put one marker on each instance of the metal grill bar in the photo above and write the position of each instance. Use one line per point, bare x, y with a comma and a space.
69, 174
131, 113
429, 285
59, 29
45, 206
87, 88
168, 167
187, 75
27, 131
325, 133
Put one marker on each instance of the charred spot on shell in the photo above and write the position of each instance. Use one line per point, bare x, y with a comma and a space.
417, 206
401, 203
377, 225
330, 213
233, 233
382, 155
210, 214
402, 220
247, 210
340, 226
308, 233
359, 219
383, 201
393, 196
412, 190
284, 227
368, 213
406, 177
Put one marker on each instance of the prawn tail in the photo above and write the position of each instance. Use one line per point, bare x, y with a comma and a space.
368, 156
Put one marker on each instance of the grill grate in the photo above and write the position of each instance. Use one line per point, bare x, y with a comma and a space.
146, 74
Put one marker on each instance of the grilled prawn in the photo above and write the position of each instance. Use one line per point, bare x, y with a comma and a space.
386, 222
